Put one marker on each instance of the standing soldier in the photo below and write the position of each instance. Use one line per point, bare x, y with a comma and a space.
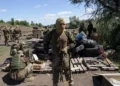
17, 34
6, 35
90, 29
11, 33
0, 32
59, 39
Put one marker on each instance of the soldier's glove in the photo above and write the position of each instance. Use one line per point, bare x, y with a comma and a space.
46, 57
64, 50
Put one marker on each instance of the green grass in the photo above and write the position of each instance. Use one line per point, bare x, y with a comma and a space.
4, 53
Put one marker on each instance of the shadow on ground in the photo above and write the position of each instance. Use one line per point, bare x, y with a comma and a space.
9, 81
97, 81
2, 44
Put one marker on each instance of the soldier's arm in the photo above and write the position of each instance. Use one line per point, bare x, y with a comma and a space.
47, 40
71, 40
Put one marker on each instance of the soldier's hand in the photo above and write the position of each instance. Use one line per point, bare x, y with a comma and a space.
64, 50
46, 57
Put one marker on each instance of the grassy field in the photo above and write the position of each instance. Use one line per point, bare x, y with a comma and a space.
4, 53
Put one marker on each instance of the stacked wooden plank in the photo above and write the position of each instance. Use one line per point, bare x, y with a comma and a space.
76, 66
91, 63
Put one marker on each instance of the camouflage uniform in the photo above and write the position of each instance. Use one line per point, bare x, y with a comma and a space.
17, 34
60, 58
20, 69
6, 35
0, 32
90, 29
11, 34
20, 46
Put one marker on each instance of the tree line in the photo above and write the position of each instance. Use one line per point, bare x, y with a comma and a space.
22, 22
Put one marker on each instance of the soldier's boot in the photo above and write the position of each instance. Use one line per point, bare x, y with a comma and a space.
55, 84
71, 83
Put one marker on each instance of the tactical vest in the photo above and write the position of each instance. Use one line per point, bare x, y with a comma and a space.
16, 63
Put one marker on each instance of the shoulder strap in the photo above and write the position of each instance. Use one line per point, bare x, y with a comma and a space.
67, 34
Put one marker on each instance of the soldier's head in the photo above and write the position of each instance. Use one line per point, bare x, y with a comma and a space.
14, 52
81, 27
22, 45
15, 46
60, 25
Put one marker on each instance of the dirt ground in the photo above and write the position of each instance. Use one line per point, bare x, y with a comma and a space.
42, 79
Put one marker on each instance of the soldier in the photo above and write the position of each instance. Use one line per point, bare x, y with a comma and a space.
59, 39
6, 35
0, 32
94, 35
20, 46
20, 68
17, 34
11, 33
90, 29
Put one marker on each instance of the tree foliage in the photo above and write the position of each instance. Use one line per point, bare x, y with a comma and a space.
107, 14
2, 21
74, 22
12, 22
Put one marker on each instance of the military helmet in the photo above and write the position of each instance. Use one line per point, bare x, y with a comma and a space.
15, 46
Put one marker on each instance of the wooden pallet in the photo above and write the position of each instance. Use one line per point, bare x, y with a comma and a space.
112, 67
87, 61
100, 64
76, 63
76, 66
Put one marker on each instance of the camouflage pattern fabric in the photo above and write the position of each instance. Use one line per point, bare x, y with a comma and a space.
6, 35
17, 34
57, 64
59, 41
21, 74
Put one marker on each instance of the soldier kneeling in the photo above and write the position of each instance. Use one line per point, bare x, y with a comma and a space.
20, 68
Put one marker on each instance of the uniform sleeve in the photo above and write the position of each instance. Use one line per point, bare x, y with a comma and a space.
71, 43
47, 40
71, 38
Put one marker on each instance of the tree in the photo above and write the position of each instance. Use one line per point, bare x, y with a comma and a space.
12, 21
32, 23
17, 22
74, 22
24, 22
107, 14
40, 25
2, 21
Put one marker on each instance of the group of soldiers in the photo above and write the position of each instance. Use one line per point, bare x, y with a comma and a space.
60, 40
10, 33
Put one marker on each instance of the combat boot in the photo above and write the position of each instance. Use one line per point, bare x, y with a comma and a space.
71, 83
55, 84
